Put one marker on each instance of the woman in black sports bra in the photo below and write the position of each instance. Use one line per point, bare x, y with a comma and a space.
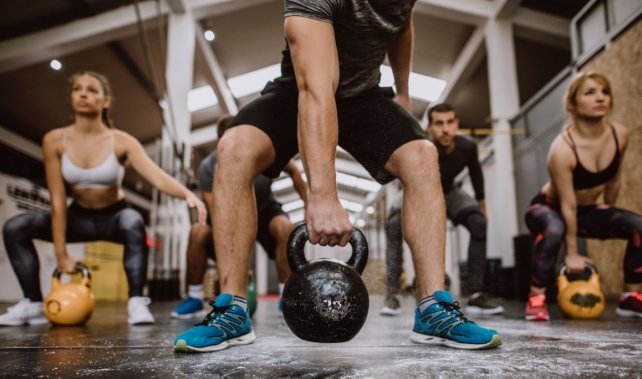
584, 165
88, 156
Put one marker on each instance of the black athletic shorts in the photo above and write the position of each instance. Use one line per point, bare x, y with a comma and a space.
371, 126
263, 236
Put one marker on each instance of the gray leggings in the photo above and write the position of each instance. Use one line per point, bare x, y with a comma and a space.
460, 209
117, 223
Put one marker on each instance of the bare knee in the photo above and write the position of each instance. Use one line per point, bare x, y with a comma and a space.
280, 228
415, 159
199, 232
245, 151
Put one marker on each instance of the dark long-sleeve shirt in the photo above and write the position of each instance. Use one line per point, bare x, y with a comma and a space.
451, 164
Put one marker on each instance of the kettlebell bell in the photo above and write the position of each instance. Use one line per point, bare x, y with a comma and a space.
325, 300
70, 303
580, 298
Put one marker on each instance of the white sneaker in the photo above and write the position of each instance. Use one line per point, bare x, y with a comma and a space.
25, 312
138, 311
391, 306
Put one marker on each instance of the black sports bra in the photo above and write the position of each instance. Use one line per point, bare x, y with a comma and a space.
583, 178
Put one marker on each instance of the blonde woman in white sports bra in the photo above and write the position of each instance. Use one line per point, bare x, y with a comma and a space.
88, 156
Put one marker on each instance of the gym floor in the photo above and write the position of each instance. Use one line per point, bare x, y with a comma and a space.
108, 347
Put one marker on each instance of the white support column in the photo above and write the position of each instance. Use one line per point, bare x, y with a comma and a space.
179, 76
504, 103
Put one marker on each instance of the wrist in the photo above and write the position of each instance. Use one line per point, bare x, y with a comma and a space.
61, 255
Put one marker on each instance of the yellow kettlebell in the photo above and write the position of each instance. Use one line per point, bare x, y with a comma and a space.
70, 303
582, 298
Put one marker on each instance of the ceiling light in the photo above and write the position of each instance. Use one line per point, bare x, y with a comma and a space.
201, 98
422, 87
351, 205
296, 204
209, 35
356, 182
280, 184
55, 64
297, 217
254, 81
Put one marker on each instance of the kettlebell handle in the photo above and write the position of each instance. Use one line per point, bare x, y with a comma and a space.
300, 235
589, 266
80, 267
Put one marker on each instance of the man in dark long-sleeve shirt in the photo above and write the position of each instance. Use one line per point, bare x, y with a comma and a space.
456, 153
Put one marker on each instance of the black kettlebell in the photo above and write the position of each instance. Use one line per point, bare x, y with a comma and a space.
325, 300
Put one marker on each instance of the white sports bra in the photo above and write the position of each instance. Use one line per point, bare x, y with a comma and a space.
108, 174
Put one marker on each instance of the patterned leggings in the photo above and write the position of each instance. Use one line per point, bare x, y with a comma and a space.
600, 221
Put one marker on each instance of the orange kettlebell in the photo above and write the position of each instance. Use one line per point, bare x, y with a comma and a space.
582, 298
70, 303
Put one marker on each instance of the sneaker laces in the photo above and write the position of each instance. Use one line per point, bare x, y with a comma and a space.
447, 318
213, 315
220, 318
454, 310
536, 301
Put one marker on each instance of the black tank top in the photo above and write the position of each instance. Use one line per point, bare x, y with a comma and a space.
583, 178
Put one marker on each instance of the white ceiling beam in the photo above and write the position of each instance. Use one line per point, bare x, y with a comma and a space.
352, 167
208, 8
214, 74
470, 12
177, 6
20, 144
505, 8
467, 62
204, 135
105, 27
542, 22
74, 36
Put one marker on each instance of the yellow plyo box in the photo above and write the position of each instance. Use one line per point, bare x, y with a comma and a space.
108, 279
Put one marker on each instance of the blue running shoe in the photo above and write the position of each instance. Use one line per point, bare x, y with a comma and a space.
443, 324
227, 325
189, 308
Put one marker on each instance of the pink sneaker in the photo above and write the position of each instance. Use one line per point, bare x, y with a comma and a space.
536, 308
630, 306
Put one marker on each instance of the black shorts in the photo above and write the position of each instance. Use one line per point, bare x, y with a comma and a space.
263, 236
371, 126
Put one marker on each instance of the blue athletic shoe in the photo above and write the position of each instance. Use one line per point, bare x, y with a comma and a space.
188, 308
443, 324
227, 325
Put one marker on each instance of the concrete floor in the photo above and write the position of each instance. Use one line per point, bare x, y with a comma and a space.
107, 347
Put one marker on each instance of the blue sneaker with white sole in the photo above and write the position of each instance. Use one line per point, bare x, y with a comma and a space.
189, 308
444, 324
226, 325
